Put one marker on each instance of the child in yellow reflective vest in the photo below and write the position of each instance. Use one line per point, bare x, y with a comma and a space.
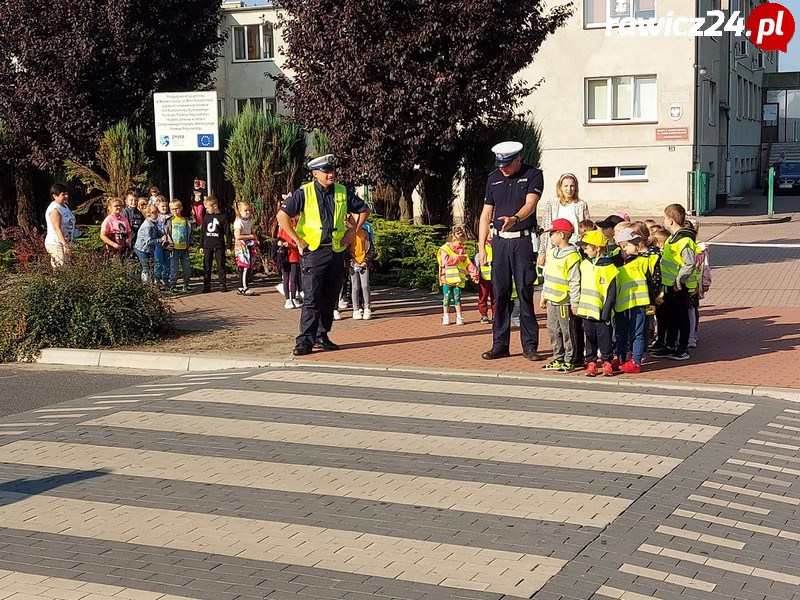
597, 299
485, 288
636, 292
561, 292
454, 267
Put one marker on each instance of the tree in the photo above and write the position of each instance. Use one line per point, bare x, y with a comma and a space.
264, 159
121, 160
394, 84
71, 69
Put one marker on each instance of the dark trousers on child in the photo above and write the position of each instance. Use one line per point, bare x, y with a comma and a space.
598, 337
676, 318
291, 280
209, 256
485, 297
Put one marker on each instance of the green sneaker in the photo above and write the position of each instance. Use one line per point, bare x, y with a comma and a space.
175, 291
485, 320
567, 367
553, 366
187, 289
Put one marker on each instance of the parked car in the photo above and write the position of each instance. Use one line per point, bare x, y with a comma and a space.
787, 178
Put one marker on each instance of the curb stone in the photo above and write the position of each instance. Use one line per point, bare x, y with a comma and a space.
198, 363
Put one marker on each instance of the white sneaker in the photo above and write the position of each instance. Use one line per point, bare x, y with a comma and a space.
357, 314
279, 287
297, 303
367, 314
303, 295
337, 316
342, 304
445, 319
459, 320
288, 304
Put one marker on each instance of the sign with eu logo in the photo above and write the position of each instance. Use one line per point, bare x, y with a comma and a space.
186, 121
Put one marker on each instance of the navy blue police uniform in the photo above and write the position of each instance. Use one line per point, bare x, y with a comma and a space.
322, 270
513, 255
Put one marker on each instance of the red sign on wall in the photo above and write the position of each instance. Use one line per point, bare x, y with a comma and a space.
672, 133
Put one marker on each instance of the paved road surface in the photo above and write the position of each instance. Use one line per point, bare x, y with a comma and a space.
304, 483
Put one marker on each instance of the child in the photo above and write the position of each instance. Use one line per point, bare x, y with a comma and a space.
146, 242
636, 292
179, 238
453, 268
607, 227
597, 299
561, 294
198, 201
215, 233
677, 266
116, 230
155, 194
244, 246
361, 253
288, 259
161, 256
133, 214
142, 205
485, 287
584, 226
702, 279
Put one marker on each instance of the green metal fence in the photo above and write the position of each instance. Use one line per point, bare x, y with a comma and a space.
697, 194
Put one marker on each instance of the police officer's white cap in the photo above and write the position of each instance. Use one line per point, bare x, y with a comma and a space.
506, 152
321, 162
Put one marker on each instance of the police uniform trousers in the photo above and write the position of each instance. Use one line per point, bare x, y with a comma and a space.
322, 271
514, 258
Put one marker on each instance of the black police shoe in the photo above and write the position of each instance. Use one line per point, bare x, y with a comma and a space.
531, 355
495, 353
301, 350
326, 344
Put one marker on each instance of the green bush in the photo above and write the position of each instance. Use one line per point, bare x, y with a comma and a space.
406, 254
91, 304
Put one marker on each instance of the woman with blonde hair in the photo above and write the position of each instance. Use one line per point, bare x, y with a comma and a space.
566, 205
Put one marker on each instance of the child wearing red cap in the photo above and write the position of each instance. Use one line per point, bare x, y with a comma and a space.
560, 295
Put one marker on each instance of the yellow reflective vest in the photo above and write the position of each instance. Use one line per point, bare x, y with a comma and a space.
556, 275
671, 261
595, 281
309, 227
632, 287
453, 274
486, 270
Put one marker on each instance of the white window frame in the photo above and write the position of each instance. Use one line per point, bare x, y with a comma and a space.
265, 101
611, 6
608, 120
620, 175
261, 29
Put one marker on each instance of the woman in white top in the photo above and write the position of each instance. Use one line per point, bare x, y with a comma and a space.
566, 205
60, 226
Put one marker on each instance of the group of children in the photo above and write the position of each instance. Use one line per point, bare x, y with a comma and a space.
622, 284
161, 237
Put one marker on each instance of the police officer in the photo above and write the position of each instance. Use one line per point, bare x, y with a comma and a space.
512, 193
321, 236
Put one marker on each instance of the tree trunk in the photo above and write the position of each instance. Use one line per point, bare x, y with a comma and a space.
27, 218
474, 192
406, 204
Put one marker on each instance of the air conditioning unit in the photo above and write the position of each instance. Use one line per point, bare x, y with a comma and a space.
740, 50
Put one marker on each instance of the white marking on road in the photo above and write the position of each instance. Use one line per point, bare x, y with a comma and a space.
580, 508
764, 467
126, 396
113, 402
462, 414
63, 416
753, 245
688, 534
447, 565
752, 493
618, 594
724, 565
525, 392
412, 443
37, 424
13, 432
215, 374
727, 504
737, 524
695, 584
56, 411
757, 478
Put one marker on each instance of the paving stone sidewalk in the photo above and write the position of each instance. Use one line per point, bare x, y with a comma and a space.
749, 332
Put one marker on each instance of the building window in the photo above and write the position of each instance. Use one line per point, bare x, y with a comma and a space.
599, 174
712, 103
598, 12
266, 105
253, 42
620, 99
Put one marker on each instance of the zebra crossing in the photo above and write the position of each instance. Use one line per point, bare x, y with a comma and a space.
302, 483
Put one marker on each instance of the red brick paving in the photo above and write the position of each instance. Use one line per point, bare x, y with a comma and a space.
749, 333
